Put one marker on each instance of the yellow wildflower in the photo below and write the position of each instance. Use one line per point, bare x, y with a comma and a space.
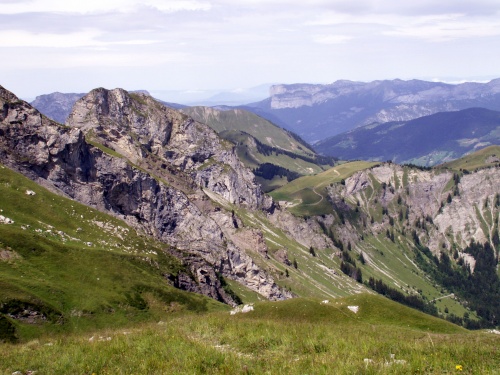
459, 368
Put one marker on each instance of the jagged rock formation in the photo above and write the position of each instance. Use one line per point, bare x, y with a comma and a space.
148, 164
57, 105
305, 232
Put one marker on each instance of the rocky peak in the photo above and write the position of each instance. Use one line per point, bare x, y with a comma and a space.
128, 155
7, 96
154, 136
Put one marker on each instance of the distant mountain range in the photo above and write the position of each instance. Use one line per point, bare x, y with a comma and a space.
316, 112
427, 140
382, 110
57, 105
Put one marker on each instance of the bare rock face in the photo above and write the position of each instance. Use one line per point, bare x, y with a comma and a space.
139, 127
444, 209
307, 233
133, 157
469, 215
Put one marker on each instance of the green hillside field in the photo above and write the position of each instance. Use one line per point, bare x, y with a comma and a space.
307, 195
299, 336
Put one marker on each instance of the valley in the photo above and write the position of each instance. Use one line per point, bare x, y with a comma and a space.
136, 217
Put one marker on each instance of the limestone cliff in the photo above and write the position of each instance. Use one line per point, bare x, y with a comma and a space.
131, 156
446, 210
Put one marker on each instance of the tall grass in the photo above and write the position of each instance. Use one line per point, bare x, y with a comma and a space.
301, 337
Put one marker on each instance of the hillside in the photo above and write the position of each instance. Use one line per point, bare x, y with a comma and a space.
426, 141
487, 157
174, 181
197, 221
149, 165
276, 155
317, 112
419, 231
307, 195
294, 337
66, 267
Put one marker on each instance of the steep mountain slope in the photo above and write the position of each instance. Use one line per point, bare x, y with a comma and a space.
146, 164
65, 266
427, 141
316, 112
420, 232
275, 154
244, 121
173, 178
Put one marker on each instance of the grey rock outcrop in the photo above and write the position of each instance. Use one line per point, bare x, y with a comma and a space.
445, 211
117, 154
305, 232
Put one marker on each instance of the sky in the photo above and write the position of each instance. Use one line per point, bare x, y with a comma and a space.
209, 45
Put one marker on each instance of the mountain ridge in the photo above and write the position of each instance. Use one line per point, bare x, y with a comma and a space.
358, 226
316, 112
428, 140
103, 174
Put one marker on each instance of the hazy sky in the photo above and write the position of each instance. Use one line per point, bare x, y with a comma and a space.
74, 46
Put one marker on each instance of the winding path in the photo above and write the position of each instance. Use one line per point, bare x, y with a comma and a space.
449, 295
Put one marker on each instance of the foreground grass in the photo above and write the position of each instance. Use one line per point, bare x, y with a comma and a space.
293, 337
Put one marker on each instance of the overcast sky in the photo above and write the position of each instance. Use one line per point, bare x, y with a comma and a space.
74, 46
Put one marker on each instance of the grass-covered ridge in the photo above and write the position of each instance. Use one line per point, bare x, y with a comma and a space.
486, 157
75, 268
292, 337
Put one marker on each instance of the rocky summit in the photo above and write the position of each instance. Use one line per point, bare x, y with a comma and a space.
129, 155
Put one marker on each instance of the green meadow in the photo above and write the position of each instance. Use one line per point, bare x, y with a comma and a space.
299, 336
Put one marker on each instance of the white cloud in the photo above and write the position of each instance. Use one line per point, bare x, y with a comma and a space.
85, 38
100, 6
434, 28
331, 39
446, 27
92, 58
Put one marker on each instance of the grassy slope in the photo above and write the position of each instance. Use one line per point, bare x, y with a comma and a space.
291, 337
252, 158
391, 262
83, 265
241, 120
479, 159
307, 194
314, 276
239, 126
